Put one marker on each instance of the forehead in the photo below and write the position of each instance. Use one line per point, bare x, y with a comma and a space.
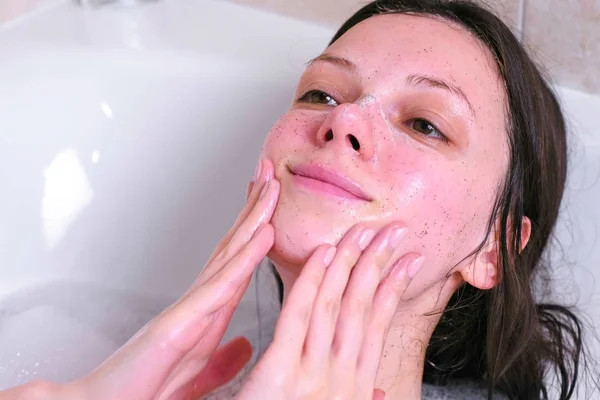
387, 48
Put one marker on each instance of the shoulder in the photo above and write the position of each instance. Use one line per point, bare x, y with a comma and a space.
458, 390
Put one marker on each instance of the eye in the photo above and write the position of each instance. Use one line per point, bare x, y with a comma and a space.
427, 129
318, 97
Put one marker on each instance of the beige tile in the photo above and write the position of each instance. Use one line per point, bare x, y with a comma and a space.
10, 9
334, 13
565, 37
508, 11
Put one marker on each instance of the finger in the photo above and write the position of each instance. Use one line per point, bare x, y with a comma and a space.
385, 302
223, 366
265, 173
258, 216
218, 292
240, 268
324, 316
378, 394
291, 328
358, 298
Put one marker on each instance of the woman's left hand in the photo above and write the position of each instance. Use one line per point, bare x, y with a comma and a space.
330, 334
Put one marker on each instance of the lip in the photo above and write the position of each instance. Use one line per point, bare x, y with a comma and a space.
329, 181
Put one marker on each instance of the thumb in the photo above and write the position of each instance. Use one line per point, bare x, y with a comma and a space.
226, 362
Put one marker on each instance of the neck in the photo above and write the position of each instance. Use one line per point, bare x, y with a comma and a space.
402, 362
400, 372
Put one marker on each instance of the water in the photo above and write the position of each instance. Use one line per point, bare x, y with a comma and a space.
61, 331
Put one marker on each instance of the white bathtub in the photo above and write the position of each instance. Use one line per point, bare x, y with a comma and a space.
127, 137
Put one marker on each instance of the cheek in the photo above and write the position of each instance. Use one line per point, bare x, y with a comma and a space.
299, 226
448, 217
441, 205
280, 142
292, 134
439, 200
300, 229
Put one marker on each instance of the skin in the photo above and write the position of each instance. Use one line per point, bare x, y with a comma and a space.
440, 190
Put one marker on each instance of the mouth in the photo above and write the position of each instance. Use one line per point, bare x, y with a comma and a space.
327, 181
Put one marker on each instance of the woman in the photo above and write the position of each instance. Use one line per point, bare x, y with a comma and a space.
405, 199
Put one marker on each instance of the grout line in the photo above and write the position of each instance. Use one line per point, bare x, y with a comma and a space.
521, 20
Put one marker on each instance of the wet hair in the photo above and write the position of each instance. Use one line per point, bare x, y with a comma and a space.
503, 337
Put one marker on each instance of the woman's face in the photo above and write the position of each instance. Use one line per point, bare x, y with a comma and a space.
403, 117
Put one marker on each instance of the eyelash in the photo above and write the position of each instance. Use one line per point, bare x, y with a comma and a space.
438, 136
306, 98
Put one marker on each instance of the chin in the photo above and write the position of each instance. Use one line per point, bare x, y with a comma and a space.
299, 230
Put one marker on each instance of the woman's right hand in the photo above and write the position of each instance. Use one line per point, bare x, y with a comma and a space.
163, 360
330, 335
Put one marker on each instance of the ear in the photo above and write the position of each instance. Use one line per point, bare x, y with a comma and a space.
482, 272
525, 232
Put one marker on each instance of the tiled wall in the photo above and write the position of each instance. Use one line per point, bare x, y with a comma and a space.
564, 35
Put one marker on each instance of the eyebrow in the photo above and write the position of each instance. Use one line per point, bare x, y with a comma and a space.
412, 79
424, 80
342, 62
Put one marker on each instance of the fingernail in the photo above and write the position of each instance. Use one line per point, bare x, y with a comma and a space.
264, 189
329, 254
396, 236
258, 171
413, 268
378, 394
365, 238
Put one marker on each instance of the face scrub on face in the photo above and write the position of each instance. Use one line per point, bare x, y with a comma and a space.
369, 100
371, 110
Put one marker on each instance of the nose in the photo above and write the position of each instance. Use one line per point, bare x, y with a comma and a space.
348, 128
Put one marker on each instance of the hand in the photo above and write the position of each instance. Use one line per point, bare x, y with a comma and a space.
223, 366
330, 334
169, 357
